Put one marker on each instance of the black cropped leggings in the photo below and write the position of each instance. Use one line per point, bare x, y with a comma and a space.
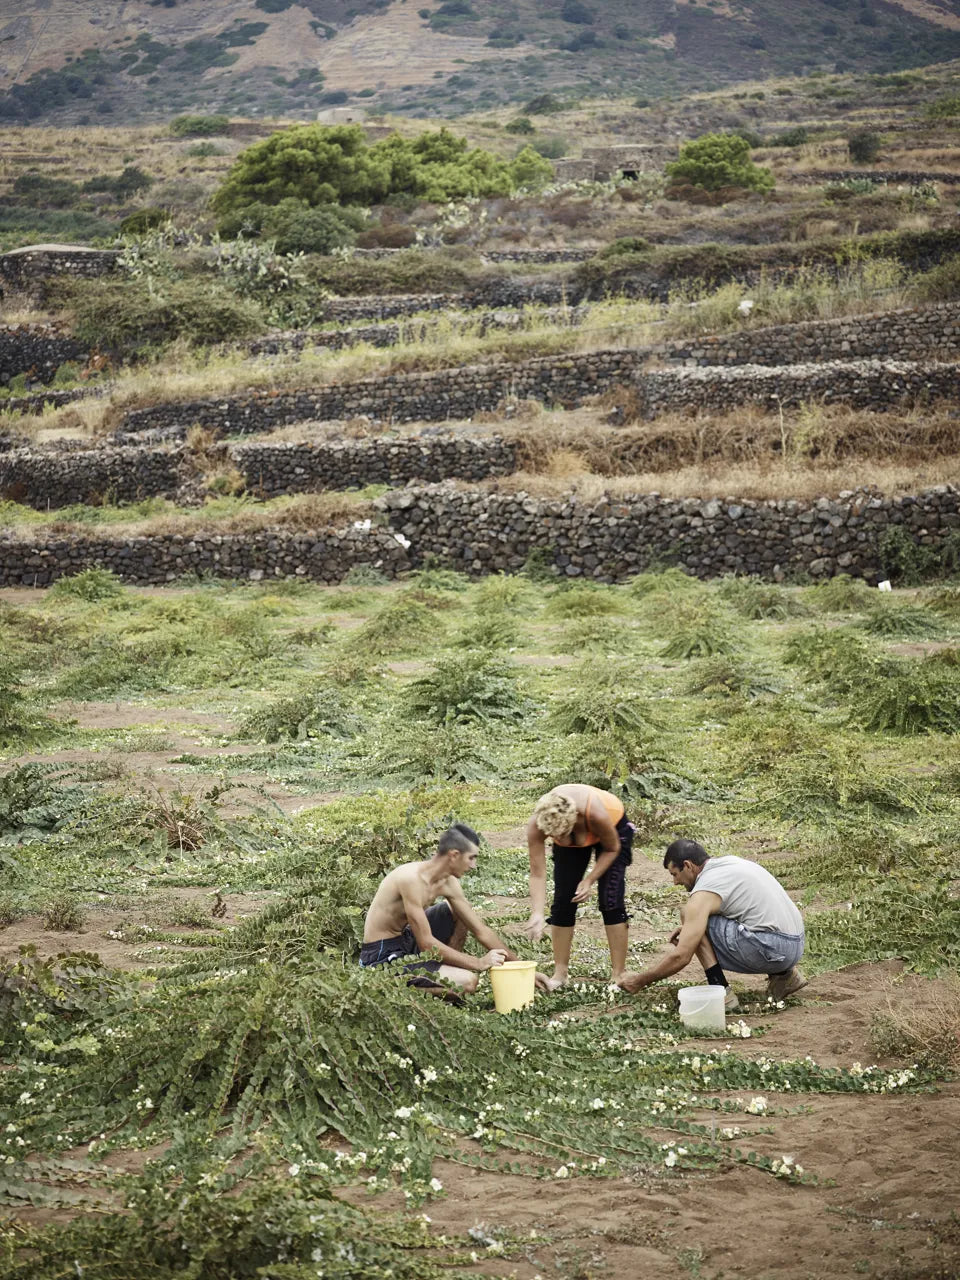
570, 863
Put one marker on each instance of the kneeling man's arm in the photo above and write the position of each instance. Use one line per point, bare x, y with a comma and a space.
462, 909
696, 917
420, 928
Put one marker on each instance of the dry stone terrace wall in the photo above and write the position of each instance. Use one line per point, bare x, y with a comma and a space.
480, 533
52, 478
896, 176
294, 468
38, 350
321, 556
24, 271
910, 333
876, 385
58, 477
403, 397
611, 540
565, 380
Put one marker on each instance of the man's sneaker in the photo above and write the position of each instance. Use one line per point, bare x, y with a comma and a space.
781, 985
730, 1002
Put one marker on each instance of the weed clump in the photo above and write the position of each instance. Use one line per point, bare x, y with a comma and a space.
318, 711
63, 914
477, 686
908, 697
92, 585
901, 621
403, 625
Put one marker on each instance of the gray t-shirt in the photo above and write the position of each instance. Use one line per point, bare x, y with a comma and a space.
749, 894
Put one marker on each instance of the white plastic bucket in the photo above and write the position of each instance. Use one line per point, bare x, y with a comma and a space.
514, 983
701, 1008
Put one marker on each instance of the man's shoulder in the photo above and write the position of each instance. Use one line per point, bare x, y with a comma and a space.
406, 873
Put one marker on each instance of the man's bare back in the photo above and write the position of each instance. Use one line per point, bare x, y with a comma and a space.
387, 915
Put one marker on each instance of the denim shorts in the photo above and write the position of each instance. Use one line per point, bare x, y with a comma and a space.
753, 951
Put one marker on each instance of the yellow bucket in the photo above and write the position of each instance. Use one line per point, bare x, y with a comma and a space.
513, 984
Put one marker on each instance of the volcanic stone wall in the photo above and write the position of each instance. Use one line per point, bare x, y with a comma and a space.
298, 468
57, 476
321, 556
910, 333
566, 380
49, 478
877, 385
478, 533
24, 271
611, 540
403, 397
37, 350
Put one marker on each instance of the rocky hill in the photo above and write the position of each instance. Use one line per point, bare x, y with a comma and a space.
108, 61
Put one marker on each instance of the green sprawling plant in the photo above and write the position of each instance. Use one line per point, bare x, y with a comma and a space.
477, 686
908, 697
318, 711
902, 621
758, 600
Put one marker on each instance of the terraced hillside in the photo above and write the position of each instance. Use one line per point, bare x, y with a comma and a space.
62, 62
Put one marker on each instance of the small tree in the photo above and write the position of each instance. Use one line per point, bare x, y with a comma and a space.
864, 147
719, 160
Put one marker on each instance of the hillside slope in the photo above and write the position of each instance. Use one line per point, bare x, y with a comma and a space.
138, 60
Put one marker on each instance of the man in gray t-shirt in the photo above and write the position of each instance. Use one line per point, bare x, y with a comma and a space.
738, 917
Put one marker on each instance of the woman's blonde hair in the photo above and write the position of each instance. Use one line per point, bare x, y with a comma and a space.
555, 814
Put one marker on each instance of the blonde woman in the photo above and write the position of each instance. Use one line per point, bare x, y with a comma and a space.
581, 821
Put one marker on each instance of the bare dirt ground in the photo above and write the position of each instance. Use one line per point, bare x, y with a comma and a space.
886, 1204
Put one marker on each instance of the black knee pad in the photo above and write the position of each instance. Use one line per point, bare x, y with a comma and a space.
565, 917
618, 915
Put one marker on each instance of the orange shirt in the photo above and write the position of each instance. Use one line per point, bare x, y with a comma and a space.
609, 801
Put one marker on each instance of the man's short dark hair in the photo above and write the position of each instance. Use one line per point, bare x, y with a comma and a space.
459, 838
682, 851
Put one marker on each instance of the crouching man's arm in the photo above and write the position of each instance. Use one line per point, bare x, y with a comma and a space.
696, 915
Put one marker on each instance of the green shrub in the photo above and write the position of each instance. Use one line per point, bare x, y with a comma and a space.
943, 108
940, 284
841, 594
318, 711
758, 600
724, 676
92, 585
144, 220
794, 137
522, 124
583, 602
635, 245
909, 698
836, 780
901, 621
472, 687
127, 316
321, 166
40, 189
121, 185
400, 626
63, 914
199, 126
603, 634
864, 146
719, 160
294, 226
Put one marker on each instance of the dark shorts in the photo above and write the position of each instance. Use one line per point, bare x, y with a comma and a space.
387, 950
745, 950
570, 863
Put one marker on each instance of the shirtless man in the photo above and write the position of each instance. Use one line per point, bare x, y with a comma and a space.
401, 922
581, 821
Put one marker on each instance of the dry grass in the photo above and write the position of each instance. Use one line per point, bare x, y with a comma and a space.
926, 1033
300, 513
736, 481
813, 437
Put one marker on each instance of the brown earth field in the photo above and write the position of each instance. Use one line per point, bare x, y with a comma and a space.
885, 1202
